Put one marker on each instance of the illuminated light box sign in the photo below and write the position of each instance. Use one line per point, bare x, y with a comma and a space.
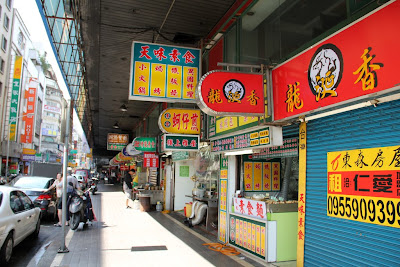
344, 67
117, 141
145, 144
180, 142
231, 94
180, 121
256, 138
363, 185
164, 73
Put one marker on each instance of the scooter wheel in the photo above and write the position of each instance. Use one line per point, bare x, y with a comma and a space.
75, 220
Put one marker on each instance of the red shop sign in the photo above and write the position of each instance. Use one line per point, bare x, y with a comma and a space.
150, 160
360, 60
231, 94
124, 168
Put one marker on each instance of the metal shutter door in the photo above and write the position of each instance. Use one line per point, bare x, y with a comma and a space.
338, 242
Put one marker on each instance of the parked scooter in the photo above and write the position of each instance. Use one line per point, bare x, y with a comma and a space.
93, 185
80, 209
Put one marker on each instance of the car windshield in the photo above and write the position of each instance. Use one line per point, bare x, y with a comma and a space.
30, 182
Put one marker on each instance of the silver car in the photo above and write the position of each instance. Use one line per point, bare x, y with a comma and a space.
19, 218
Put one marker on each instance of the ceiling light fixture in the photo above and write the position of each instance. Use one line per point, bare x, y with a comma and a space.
116, 126
123, 108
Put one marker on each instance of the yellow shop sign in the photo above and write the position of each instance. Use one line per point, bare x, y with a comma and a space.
180, 121
28, 151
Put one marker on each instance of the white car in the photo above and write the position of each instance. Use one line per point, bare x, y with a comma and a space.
19, 218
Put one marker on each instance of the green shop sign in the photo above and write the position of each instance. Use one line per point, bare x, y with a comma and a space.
256, 138
146, 144
115, 147
180, 155
180, 142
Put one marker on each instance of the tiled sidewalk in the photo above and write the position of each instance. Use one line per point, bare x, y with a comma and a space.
155, 238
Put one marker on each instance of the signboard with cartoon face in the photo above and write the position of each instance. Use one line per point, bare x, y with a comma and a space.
344, 68
231, 94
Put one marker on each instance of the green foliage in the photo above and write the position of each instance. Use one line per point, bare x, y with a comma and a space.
45, 65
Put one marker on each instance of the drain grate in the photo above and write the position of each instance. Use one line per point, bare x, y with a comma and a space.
148, 248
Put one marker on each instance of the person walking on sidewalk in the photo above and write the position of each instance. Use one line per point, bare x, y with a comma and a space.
127, 186
58, 185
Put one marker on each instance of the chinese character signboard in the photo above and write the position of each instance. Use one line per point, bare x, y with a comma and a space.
249, 207
290, 148
164, 73
257, 138
262, 176
231, 94
180, 121
218, 125
248, 235
176, 142
15, 98
150, 160
117, 141
180, 155
28, 117
344, 67
49, 132
146, 144
301, 212
52, 109
223, 191
364, 185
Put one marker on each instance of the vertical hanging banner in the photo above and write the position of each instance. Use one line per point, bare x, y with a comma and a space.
15, 98
164, 73
301, 214
29, 114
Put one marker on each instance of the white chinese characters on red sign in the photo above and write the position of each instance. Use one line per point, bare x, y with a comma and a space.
252, 208
150, 160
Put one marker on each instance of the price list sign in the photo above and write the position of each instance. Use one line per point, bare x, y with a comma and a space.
364, 185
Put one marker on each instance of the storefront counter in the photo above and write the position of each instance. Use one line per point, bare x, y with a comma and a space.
155, 195
266, 230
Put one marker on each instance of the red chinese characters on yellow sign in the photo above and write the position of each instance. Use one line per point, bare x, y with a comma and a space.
363, 185
180, 121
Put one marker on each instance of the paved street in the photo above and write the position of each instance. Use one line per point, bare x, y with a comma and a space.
125, 237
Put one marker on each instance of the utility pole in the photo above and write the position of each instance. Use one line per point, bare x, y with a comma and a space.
63, 248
